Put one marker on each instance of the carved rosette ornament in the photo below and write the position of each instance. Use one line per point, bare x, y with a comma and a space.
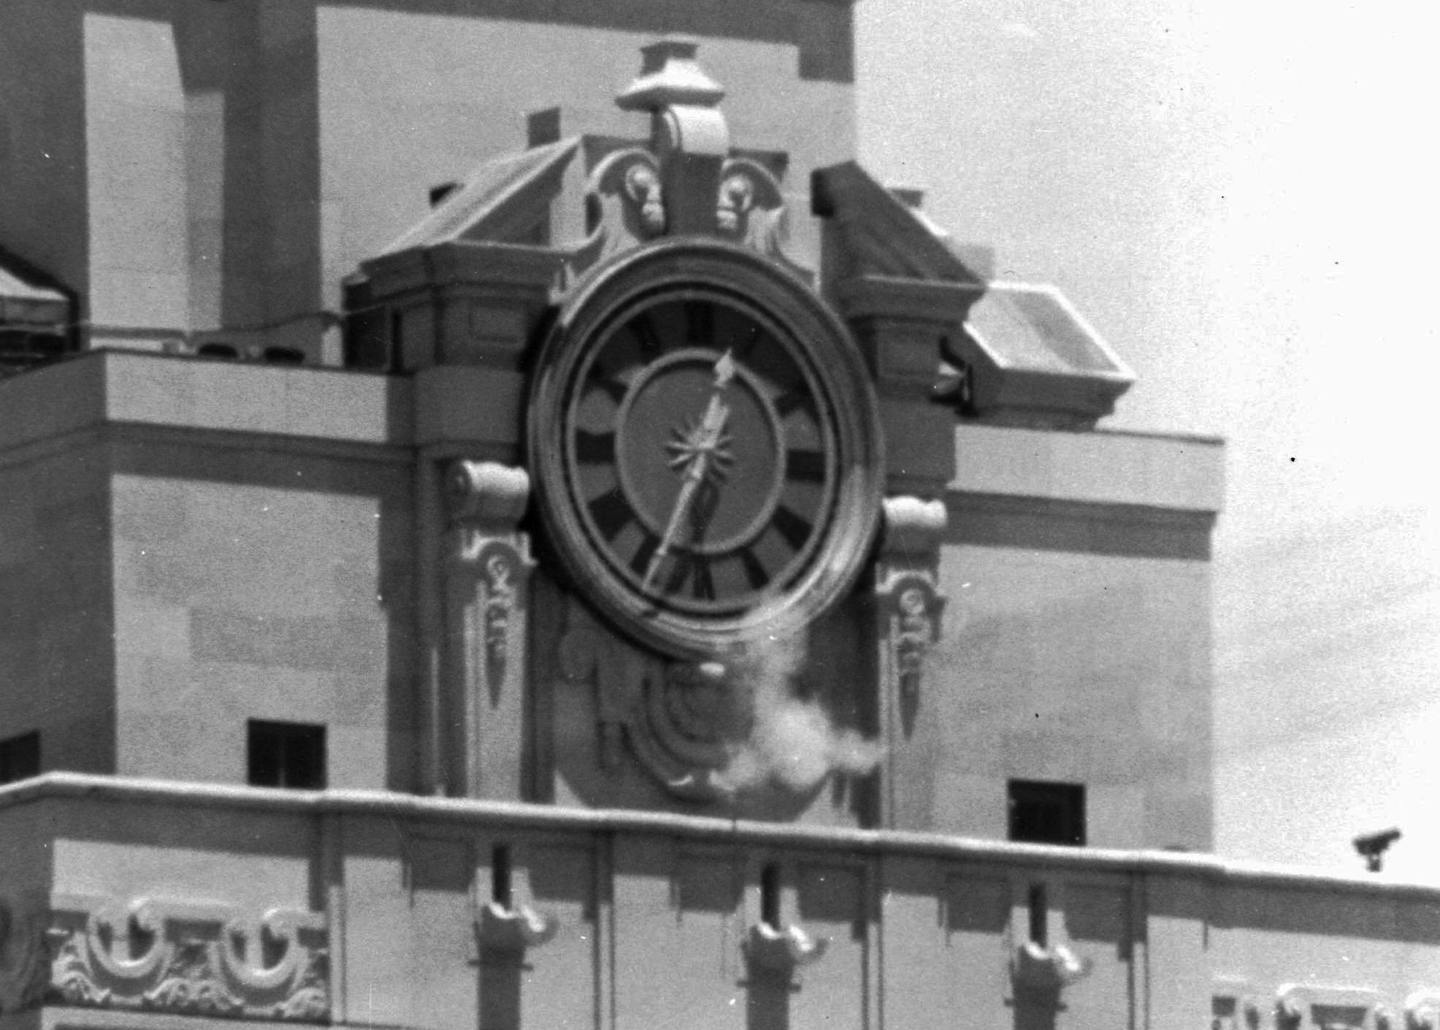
910, 602
188, 959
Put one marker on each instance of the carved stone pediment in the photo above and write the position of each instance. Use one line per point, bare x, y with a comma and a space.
590, 196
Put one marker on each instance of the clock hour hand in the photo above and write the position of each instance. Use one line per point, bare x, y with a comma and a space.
702, 444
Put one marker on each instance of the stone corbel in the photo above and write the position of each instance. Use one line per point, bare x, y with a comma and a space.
513, 929
910, 603
486, 500
195, 959
1047, 969
783, 950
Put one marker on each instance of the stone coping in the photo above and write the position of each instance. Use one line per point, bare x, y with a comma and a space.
386, 804
1097, 467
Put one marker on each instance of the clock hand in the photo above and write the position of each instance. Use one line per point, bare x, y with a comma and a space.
707, 435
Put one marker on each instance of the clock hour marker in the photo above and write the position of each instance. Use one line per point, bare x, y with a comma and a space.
793, 527
614, 388
594, 448
610, 512
755, 573
699, 322
789, 402
693, 569
643, 329
806, 465
640, 563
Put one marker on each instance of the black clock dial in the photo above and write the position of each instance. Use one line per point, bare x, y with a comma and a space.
707, 478
705, 447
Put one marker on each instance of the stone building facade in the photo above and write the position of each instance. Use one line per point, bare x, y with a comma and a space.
525, 537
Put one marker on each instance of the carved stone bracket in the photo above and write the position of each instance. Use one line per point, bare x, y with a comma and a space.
486, 500
1049, 970
196, 959
910, 604
510, 930
782, 951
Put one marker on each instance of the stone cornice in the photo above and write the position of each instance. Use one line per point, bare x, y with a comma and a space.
110, 791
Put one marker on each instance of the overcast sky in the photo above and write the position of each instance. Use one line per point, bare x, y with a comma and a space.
1242, 197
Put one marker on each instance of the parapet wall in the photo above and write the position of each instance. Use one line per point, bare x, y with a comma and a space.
383, 909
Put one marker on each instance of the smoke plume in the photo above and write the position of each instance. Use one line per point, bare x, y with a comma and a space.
793, 742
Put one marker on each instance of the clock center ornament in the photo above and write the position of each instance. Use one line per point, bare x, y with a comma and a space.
705, 447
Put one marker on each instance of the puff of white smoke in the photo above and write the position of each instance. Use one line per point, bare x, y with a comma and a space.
792, 742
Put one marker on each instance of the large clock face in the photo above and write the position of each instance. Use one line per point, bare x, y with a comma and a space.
705, 447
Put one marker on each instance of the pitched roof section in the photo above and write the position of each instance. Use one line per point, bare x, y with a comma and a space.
28, 296
880, 233
499, 202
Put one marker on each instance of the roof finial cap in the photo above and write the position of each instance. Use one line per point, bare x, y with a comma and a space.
670, 76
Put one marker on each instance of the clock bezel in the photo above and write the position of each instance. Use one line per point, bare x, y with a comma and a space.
818, 339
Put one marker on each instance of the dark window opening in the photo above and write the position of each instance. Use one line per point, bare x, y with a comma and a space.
286, 754
1047, 813
20, 757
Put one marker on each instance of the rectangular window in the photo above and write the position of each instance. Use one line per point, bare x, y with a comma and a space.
286, 754
20, 757
1047, 813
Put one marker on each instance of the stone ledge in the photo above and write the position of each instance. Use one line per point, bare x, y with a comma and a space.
115, 387
109, 791
1101, 467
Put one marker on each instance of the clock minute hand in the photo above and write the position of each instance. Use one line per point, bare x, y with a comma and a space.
707, 435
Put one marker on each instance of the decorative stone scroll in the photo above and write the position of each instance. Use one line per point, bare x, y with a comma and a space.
677, 717
1303, 1006
172, 957
910, 604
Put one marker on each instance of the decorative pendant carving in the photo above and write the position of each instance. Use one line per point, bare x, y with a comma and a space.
190, 959
910, 604
677, 717
485, 572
